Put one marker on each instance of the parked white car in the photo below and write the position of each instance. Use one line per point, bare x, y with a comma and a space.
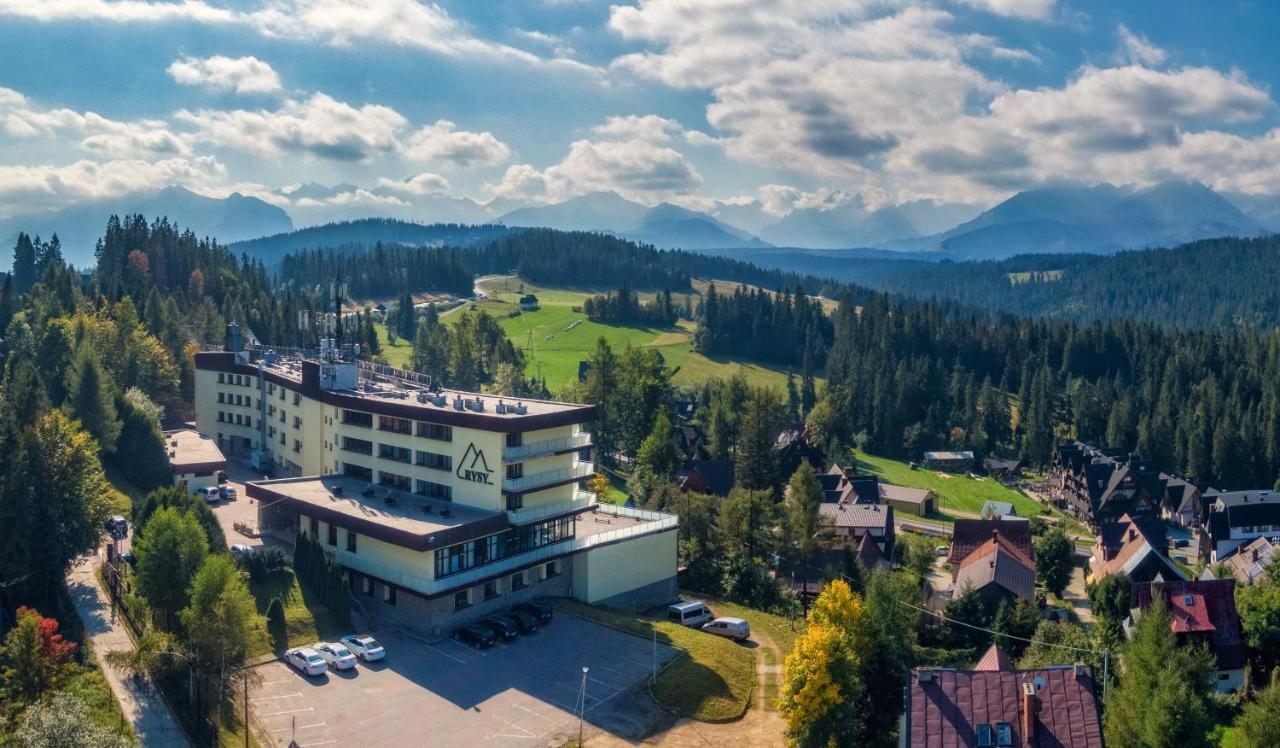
732, 628
689, 614
365, 647
337, 656
227, 492
306, 660
240, 549
209, 494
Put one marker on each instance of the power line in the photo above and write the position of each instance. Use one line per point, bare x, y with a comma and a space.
944, 617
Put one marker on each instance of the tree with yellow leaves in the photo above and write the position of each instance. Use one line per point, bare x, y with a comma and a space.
821, 681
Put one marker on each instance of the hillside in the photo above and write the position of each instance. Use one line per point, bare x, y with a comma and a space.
364, 233
553, 344
1222, 283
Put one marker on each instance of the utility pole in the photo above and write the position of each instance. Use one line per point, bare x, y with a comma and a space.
582, 710
246, 708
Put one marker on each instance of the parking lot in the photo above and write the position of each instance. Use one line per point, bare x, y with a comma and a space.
520, 693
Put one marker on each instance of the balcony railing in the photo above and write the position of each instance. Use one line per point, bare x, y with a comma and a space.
657, 522
549, 477
524, 515
546, 447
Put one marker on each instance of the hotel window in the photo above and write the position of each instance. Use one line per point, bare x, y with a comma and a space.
462, 599
434, 490
396, 425
517, 581
222, 379
515, 471
552, 569
435, 431
333, 535
297, 445
368, 586
351, 541
514, 501
391, 480
515, 440
491, 589
297, 422
315, 527
389, 595
356, 418
359, 472
271, 389
357, 445
390, 452
220, 400
297, 399
434, 461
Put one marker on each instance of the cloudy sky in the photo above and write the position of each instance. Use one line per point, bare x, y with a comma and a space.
787, 102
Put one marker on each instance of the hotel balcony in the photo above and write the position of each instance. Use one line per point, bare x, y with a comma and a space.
548, 478
546, 447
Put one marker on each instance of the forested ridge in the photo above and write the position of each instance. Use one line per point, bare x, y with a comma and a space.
1215, 283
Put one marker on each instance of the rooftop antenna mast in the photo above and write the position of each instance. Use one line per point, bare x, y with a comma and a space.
337, 312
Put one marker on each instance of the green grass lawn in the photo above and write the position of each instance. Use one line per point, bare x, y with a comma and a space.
956, 493
306, 619
398, 355
712, 681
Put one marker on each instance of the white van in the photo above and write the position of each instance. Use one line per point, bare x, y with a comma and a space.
689, 614
209, 493
732, 628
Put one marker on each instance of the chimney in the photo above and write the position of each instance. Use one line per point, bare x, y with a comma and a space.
995, 533
1132, 533
1255, 555
1030, 707
1079, 669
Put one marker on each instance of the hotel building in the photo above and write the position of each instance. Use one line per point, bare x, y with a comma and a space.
442, 506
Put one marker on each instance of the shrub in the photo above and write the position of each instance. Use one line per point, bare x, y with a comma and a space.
267, 560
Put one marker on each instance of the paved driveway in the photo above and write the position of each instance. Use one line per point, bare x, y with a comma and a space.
243, 509
522, 693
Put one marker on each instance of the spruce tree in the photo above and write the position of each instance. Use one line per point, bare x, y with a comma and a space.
1161, 699
24, 264
91, 401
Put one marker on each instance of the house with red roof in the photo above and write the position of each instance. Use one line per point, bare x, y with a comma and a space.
997, 706
1201, 611
993, 557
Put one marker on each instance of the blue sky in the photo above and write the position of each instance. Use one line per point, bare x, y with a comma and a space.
776, 105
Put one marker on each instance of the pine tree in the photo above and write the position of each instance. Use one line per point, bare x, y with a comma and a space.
1162, 697
804, 496
756, 461
91, 401
659, 456
24, 264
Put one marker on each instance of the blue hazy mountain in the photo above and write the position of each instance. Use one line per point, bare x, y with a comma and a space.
1098, 219
664, 225
79, 226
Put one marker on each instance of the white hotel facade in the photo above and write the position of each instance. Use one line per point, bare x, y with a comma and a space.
442, 506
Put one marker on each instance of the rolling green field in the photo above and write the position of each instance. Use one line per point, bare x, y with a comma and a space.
956, 493
553, 344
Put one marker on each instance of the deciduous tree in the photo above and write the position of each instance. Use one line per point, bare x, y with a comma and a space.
1053, 560
171, 549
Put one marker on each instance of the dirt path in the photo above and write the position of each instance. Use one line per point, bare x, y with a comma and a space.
760, 727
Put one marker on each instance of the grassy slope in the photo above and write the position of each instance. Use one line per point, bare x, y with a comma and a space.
955, 492
306, 619
713, 682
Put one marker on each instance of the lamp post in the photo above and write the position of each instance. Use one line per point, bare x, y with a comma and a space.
582, 710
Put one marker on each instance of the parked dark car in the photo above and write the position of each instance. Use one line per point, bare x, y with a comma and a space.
129, 558
503, 628
540, 612
527, 623
480, 637
1182, 543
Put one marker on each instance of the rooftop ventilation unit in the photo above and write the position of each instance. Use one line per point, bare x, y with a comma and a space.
422, 397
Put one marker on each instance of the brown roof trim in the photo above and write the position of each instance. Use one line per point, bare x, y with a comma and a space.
413, 541
198, 467
226, 362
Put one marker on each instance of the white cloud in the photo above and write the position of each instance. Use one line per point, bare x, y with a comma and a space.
47, 186
21, 118
780, 199
356, 197
245, 75
1138, 49
649, 127
319, 126
444, 143
425, 183
636, 169
1036, 10
340, 23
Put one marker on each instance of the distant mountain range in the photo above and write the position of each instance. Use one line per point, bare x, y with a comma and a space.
1099, 219
365, 233
1062, 219
664, 225
80, 226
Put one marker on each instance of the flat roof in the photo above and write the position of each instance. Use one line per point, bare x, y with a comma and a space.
403, 521
189, 450
393, 387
